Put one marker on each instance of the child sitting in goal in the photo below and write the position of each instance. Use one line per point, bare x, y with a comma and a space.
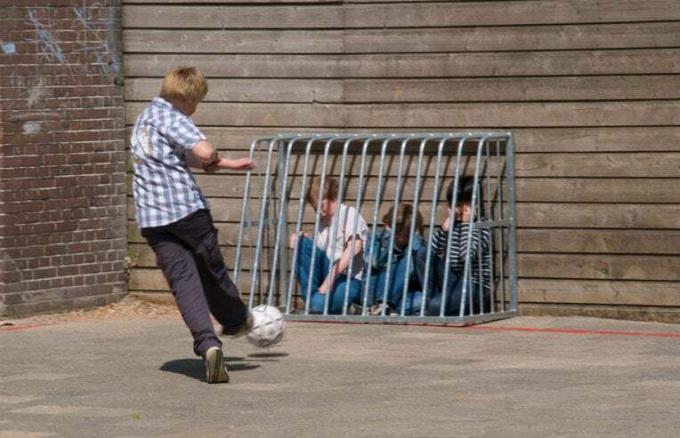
379, 249
327, 266
479, 276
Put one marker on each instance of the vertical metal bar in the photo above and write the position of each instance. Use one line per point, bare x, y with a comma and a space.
471, 228
388, 272
491, 220
481, 264
501, 237
336, 219
316, 221
433, 212
512, 230
298, 224
452, 224
260, 229
283, 236
364, 149
414, 215
283, 171
244, 207
376, 208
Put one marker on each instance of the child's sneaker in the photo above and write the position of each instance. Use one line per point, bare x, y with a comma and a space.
354, 309
377, 309
215, 368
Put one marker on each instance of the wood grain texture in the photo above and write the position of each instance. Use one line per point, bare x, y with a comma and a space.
387, 15
235, 141
404, 116
633, 293
477, 39
582, 88
422, 65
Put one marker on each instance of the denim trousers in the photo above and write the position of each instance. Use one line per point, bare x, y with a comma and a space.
193, 266
395, 289
319, 272
454, 294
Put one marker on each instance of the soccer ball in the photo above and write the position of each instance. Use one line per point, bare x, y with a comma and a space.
268, 326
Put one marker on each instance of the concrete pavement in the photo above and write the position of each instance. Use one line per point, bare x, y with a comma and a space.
528, 377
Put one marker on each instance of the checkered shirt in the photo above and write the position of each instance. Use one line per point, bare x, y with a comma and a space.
164, 188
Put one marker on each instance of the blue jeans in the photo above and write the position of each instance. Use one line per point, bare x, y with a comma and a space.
322, 267
454, 292
395, 290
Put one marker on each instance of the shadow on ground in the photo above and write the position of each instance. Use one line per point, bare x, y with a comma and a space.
195, 368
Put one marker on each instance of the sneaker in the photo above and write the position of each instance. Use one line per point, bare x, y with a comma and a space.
377, 309
215, 368
242, 330
354, 309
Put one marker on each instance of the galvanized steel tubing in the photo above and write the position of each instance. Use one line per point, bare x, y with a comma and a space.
339, 144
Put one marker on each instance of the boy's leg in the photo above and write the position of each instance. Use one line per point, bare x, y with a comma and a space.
223, 296
396, 288
434, 293
376, 287
337, 298
221, 293
455, 294
303, 267
179, 269
413, 303
454, 290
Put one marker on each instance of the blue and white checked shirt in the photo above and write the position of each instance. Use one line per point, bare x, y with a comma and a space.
164, 188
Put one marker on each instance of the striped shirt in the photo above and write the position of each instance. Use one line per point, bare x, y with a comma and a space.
164, 188
480, 249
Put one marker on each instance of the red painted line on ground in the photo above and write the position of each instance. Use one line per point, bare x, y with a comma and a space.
17, 328
576, 331
561, 331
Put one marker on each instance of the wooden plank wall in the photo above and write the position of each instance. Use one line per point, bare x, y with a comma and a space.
591, 91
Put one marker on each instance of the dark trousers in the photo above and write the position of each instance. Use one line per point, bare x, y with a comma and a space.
191, 261
454, 292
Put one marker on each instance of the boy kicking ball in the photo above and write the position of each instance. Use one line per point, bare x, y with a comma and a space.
174, 217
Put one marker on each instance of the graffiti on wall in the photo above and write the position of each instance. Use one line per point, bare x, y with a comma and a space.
97, 35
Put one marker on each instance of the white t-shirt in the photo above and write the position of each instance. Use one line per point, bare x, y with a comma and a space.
346, 216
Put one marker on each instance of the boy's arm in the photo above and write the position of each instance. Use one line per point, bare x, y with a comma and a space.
233, 164
194, 162
204, 151
204, 156
342, 264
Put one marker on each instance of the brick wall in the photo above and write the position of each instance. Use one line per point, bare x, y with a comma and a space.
62, 163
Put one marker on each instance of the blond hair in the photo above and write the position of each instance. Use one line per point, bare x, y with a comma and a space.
330, 190
184, 85
404, 219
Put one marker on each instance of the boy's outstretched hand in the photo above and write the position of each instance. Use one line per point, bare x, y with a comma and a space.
241, 164
225, 163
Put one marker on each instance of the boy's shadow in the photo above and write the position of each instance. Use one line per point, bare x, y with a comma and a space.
195, 368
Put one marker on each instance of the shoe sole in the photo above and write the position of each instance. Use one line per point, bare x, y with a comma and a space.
216, 371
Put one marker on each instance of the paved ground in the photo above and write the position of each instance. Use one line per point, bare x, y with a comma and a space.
529, 377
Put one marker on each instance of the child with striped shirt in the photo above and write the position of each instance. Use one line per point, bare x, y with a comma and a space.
462, 231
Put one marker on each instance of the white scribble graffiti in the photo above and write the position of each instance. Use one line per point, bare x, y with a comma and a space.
104, 50
48, 45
